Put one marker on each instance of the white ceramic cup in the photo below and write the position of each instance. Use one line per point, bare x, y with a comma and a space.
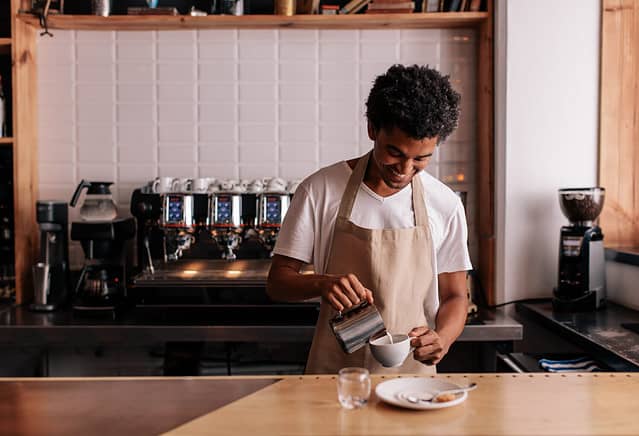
162, 185
238, 186
201, 184
391, 355
226, 185
214, 186
182, 185
255, 187
276, 185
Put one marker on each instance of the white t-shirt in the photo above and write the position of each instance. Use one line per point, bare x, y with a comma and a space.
307, 230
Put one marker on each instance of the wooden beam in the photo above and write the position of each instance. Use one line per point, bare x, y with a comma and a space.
619, 122
182, 22
24, 153
486, 157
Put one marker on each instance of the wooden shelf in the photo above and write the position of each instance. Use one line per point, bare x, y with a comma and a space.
6, 140
5, 41
356, 21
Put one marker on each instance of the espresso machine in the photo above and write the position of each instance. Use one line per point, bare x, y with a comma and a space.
51, 271
230, 222
581, 279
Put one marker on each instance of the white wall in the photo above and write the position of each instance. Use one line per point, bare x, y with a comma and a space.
547, 90
621, 282
130, 106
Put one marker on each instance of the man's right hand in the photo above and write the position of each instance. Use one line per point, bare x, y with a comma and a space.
345, 291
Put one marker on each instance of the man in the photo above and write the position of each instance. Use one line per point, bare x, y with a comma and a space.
381, 229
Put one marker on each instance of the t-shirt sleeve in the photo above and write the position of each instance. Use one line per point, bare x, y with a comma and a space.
453, 255
297, 234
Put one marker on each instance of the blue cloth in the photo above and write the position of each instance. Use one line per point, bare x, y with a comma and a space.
581, 364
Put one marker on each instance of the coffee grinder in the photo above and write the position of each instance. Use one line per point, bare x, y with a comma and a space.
51, 271
581, 279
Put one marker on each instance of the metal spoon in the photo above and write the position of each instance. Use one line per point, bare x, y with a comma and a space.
414, 399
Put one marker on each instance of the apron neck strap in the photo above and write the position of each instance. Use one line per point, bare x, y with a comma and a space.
419, 203
350, 193
356, 179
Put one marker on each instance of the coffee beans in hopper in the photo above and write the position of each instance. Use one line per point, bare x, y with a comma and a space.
581, 207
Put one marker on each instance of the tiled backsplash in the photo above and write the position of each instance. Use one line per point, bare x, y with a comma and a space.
128, 106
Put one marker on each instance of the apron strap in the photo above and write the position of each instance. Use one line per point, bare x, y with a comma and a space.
419, 203
352, 187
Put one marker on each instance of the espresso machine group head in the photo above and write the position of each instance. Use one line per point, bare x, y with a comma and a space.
581, 278
168, 224
272, 209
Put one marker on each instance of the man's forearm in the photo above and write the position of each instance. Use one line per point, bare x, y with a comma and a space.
451, 317
285, 284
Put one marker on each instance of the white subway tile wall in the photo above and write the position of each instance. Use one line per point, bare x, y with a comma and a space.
131, 106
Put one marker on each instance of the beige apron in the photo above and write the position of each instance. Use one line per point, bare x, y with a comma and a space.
395, 264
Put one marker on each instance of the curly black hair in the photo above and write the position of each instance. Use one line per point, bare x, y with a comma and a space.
418, 100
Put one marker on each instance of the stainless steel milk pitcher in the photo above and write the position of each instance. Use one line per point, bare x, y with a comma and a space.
355, 326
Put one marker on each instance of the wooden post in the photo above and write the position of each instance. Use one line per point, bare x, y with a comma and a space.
619, 122
486, 157
25, 174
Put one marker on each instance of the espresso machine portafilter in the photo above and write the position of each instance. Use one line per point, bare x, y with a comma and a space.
226, 222
51, 271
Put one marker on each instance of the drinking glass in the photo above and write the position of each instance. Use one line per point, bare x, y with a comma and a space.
353, 387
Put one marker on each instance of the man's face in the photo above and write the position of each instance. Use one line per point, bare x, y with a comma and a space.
398, 157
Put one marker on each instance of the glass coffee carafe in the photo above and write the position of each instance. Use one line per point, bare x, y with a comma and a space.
98, 204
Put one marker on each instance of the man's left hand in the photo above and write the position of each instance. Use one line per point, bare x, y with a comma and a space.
430, 348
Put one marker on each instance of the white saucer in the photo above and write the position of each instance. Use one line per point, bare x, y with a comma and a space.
395, 391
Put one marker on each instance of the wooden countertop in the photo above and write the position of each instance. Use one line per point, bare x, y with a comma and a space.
503, 404
113, 406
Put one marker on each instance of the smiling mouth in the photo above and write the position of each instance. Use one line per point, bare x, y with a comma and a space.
397, 177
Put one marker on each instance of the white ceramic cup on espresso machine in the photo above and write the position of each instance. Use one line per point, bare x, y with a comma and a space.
162, 185
184, 184
201, 185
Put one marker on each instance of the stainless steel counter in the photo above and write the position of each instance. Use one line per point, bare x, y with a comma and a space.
256, 319
599, 332
19, 326
209, 273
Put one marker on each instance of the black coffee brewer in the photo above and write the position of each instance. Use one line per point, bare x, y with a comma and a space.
102, 282
581, 280
51, 271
